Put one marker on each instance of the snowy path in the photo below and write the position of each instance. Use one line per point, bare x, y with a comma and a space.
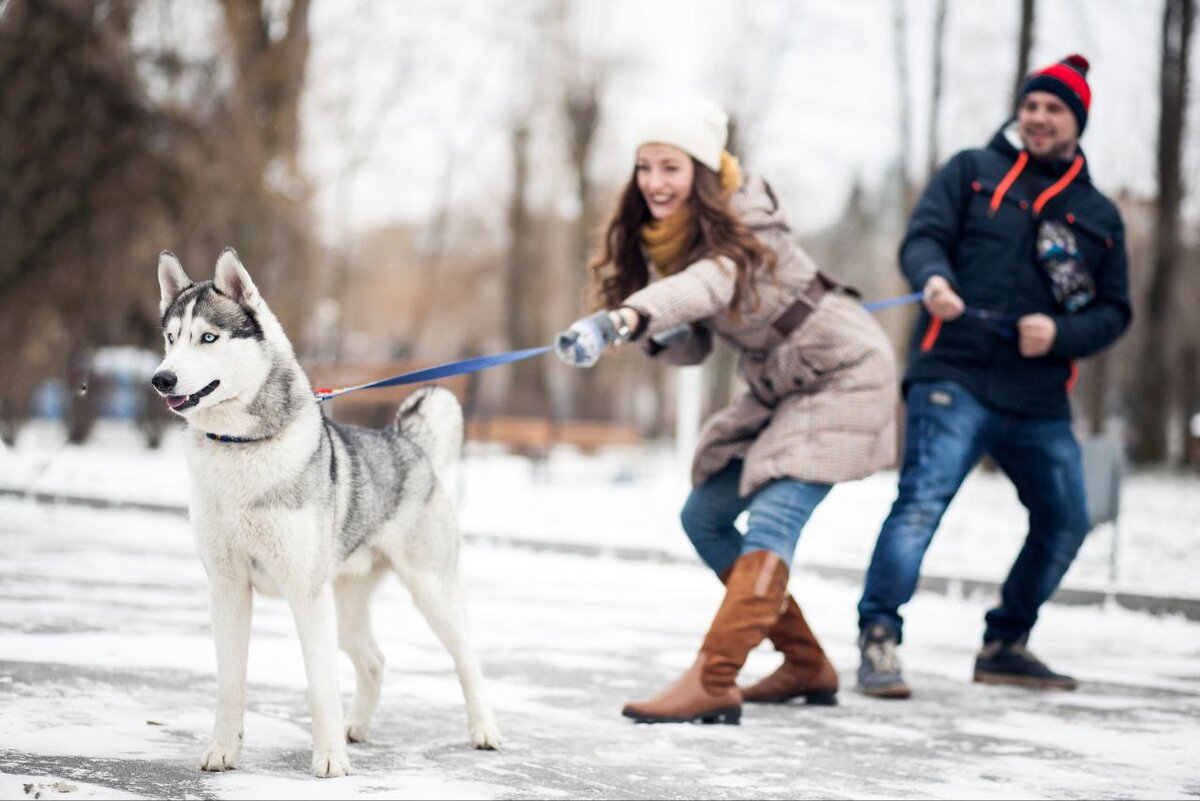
107, 680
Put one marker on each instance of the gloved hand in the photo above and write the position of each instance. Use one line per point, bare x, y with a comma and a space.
582, 343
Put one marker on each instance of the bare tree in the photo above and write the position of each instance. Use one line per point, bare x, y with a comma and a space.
903, 102
582, 111
79, 164
1024, 45
1151, 400
263, 124
935, 94
522, 320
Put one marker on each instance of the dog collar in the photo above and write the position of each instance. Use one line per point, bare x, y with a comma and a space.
227, 438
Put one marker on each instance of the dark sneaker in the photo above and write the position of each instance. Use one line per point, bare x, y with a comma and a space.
1012, 663
879, 673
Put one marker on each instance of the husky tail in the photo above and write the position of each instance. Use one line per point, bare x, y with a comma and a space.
432, 417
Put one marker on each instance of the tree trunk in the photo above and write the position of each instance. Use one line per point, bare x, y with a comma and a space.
903, 101
582, 392
935, 95
1024, 45
264, 125
522, 302
1151, 400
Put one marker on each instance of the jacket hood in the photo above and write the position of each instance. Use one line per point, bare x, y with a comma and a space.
758, 205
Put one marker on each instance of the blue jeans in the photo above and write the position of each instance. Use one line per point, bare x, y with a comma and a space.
948, 430
777, 513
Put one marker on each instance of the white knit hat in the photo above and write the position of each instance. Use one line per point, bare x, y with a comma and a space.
695, 126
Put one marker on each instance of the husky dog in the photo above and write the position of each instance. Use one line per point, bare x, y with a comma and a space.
289, 503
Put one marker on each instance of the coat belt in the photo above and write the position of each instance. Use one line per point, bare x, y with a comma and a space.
794, 315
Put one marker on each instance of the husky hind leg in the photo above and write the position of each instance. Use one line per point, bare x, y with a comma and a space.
437, 592
353, 595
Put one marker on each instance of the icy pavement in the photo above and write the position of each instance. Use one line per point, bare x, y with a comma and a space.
107, 682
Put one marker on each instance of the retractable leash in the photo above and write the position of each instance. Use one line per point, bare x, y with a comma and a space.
1002, 324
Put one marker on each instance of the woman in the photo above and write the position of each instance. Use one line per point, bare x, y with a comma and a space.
694, 250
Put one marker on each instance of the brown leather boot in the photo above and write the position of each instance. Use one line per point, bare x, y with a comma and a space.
806, 671
708, 691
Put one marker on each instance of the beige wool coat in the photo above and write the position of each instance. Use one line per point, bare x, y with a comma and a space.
821, 403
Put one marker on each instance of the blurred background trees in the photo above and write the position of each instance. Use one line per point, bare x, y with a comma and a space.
420, 181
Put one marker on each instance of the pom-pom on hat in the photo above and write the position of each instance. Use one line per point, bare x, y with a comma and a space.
695, 126
1067, 80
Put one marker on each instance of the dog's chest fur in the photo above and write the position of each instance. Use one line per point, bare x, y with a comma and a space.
250, 506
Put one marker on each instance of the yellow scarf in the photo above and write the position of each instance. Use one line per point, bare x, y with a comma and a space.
665, 240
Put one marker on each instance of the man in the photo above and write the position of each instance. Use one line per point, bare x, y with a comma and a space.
1023, 268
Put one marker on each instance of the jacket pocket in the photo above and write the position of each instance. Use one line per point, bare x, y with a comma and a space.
1006, 222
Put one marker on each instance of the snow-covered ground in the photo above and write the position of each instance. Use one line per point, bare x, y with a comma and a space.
630, 499
107, 674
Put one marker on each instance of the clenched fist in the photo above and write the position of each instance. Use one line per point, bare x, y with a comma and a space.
1035, 335
941, 300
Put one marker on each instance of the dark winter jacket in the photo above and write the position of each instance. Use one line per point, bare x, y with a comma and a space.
982, 237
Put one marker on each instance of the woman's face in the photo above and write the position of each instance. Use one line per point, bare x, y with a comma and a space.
664, 176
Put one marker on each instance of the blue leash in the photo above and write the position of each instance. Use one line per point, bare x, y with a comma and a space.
876, 305
1001, 324
440, 371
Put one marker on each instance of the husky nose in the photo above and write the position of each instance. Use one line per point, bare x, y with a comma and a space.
164, 381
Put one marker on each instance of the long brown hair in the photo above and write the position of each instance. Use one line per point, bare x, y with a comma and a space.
621, 268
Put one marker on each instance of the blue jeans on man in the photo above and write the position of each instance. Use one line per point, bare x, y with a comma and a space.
948, 431
776, 514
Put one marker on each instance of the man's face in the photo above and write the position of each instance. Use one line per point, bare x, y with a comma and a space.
1047, 127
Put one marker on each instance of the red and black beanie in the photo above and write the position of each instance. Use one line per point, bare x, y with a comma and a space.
1067, 80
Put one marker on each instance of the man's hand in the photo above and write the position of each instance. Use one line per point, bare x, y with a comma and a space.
582, 343
1035, 334
941, 300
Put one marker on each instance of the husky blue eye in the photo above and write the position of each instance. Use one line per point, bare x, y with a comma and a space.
208, 338
170, 339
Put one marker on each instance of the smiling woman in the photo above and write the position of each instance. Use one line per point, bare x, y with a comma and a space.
695, 250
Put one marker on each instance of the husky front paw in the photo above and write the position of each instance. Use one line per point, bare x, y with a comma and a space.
485, 735
327, 764
221, 755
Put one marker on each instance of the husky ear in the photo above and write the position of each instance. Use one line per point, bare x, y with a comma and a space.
171, 280
233, 281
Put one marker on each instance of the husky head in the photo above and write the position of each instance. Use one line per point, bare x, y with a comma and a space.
221, 341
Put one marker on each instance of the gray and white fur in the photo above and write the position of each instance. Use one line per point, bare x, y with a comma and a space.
289, 503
